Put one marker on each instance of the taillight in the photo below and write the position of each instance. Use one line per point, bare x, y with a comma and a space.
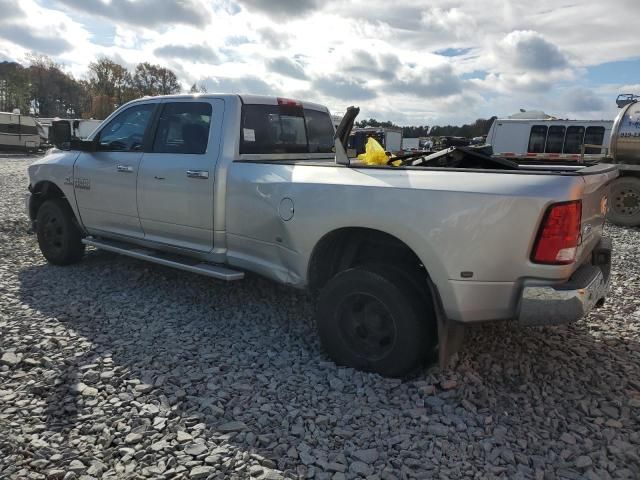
559, 234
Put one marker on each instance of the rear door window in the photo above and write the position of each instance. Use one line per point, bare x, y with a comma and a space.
537, 139
555, 139
183, 127
573, 140
593, 136
268, 129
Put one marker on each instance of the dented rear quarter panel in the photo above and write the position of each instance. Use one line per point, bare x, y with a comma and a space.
473, 221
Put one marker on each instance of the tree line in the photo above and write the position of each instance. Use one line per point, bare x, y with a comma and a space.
43, 88
476, 129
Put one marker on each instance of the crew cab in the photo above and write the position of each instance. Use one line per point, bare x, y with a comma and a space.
401, 255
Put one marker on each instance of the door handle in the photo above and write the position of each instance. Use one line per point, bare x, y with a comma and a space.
197, 174
124, 168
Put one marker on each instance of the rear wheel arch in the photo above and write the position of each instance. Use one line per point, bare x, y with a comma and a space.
348, 247
351, 247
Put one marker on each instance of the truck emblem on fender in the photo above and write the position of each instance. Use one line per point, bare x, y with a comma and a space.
82, 183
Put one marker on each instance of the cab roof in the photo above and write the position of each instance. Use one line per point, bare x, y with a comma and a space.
250, 99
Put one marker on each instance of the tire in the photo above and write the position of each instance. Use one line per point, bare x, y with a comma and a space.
373, 318
625, 202
58, 235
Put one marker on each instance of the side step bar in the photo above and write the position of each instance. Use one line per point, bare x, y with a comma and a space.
166, 259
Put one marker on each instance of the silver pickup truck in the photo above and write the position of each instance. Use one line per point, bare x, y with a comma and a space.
401, 255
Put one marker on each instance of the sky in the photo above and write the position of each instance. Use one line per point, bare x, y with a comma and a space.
411, 62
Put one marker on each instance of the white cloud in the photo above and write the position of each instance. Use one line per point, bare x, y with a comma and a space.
144, 13
530, 51
195, 53
282, 9
378, 54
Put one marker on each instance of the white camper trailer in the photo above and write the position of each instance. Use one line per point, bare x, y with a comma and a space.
19, 132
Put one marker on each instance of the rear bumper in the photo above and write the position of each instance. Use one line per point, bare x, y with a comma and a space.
570, 301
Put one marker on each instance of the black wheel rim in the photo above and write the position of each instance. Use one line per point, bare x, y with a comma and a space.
367, 326
627, 201
53, 234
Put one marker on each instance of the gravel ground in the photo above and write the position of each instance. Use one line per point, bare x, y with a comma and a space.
115, 368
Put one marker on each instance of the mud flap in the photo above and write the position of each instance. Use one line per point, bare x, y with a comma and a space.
450, 338
450, 333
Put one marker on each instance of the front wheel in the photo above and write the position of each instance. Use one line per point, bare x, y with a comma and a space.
625, 202
59, 237
373, 319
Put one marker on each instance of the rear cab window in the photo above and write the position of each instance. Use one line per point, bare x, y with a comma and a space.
286, 128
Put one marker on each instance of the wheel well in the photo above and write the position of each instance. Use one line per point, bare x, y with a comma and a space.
40, 192
348, 247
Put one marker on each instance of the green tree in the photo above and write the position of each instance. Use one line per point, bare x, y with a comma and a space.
151, 79
53, 92
198, 88
14, 87
111, 79
167, 81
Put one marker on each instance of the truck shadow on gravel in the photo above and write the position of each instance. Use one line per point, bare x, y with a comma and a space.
207, 353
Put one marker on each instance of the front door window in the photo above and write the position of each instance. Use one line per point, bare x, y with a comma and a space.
125, 133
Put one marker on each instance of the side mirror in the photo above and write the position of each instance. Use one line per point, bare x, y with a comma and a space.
61, 134
83, 145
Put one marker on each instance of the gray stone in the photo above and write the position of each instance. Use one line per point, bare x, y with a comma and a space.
232, 427
10, 359
438, 429
196, 449
76, 466
202, 471
360, 468
143, 388
336, 467
583, 461
306, 458
368, 456
133, 438
183, 436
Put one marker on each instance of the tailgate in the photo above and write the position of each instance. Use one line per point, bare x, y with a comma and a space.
594, 206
